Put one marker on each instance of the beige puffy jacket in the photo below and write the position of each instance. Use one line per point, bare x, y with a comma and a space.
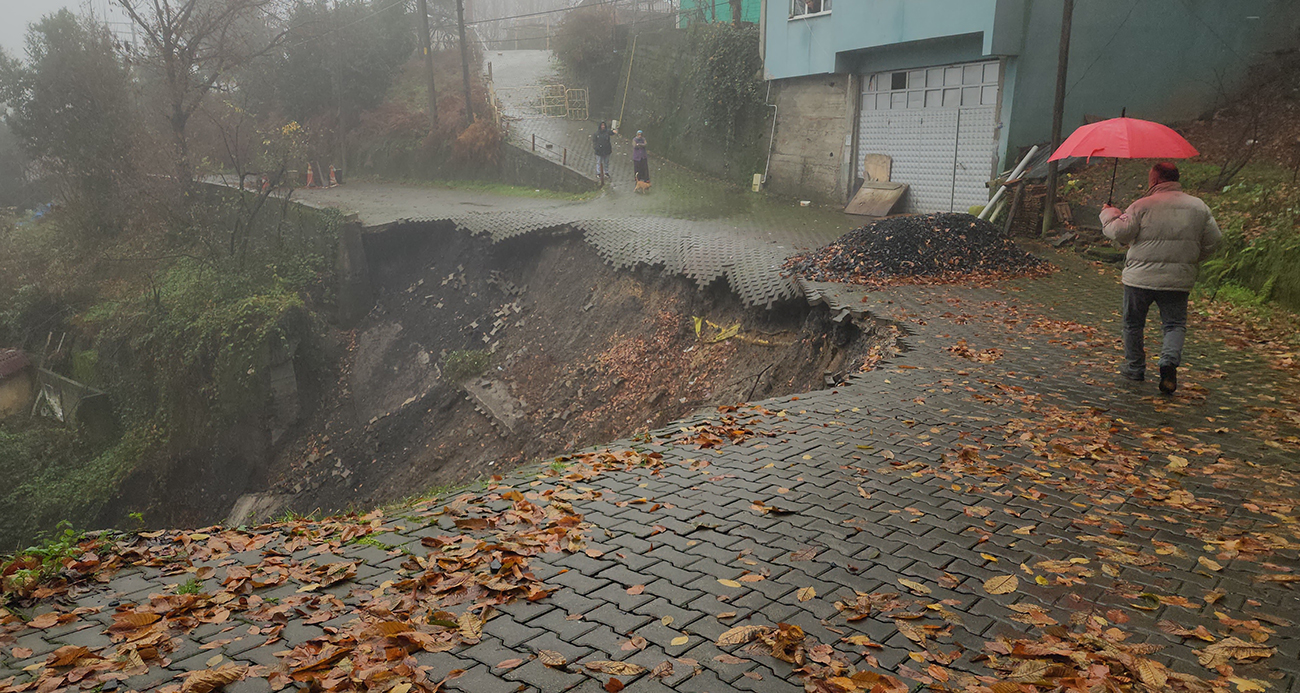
1168, 233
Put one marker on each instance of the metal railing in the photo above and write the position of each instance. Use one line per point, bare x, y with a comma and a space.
550, 149
549, 100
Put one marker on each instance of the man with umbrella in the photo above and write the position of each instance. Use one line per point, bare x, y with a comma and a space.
1168, 234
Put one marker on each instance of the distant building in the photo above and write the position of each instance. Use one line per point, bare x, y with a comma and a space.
952, 89
17, 383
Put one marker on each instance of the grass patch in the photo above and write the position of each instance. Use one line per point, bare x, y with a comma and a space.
191, 586
487, 187
462, 365
368, 540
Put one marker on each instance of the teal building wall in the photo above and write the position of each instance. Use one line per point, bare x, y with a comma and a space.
1163, 60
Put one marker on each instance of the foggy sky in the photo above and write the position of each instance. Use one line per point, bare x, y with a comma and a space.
15, 15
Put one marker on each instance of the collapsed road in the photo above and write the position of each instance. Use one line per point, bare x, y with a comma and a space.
481, 356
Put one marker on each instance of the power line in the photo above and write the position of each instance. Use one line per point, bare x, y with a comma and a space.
376, 13
1102, 52
675, 14
1222, 40
598, 3
538, 14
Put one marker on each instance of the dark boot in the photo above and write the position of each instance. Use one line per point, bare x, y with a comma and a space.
1168, 379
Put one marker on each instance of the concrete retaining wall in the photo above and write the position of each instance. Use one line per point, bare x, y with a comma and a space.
522, 167
814, 125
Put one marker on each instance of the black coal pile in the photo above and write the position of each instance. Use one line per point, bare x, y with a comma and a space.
937, 247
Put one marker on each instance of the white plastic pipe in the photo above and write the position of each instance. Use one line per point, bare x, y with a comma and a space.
988, 208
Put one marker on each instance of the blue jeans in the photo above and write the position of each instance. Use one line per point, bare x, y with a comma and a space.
1173, 313
602, 165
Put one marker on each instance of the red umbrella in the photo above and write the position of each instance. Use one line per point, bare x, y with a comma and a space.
1125, 138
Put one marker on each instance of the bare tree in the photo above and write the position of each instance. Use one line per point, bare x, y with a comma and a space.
194, 46
261, 155
1245, 140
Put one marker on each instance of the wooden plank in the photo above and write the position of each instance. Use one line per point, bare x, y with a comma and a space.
876, 198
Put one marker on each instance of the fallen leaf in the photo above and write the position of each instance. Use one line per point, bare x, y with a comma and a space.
616, 668
636, 589
806, 593
662, 670
551, 658
1232, 649
509, 663
666, 620
1002, 584
1212, 565
740, 635
1152, 674
471, 626
130, 620
913, 585
65, 656
613, 686
728, 583
1248, 685
680, 640
805, 554
47, 620
1031, 671
212, 679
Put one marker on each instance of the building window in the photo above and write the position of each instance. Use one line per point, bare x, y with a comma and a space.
949, 86
808, 8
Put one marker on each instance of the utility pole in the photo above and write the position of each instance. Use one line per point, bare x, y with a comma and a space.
422, 7
464, 61
1058, 114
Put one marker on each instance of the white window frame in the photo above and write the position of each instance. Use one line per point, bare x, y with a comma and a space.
797, 5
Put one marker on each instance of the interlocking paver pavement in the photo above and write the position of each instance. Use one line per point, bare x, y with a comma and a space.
858, 469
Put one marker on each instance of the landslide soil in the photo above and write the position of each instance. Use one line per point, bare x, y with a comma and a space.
583, 352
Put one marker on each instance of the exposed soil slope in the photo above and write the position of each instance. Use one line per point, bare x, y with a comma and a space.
580, 353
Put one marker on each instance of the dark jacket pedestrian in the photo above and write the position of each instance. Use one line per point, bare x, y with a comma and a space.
640, 159
1168, 234
603, 148
600, 140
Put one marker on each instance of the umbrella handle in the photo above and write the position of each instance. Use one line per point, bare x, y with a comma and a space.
1111, 197
1123, 113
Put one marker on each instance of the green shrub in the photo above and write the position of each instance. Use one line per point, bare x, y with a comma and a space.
39, 562
460, 366
1261, 247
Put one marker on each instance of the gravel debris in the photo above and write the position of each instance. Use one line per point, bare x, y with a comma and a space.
908, 249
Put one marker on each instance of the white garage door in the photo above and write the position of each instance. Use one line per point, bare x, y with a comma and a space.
939, 125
